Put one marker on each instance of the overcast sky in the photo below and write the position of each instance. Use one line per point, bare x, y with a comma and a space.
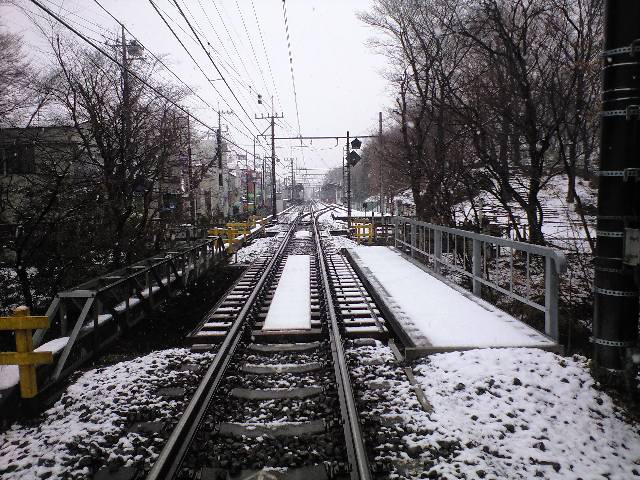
337, 77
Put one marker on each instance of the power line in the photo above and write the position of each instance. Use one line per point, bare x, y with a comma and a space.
190, 36
246, 31
214, 63
131, 72
293, 78
121, 65
224, 24
266, 54
158, 59
196, 62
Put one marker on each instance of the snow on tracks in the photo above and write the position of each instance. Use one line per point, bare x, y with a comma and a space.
87, 428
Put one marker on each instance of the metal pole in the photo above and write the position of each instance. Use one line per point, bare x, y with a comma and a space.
344, 183
246, 171
348, 186
192, 199
253, 177
381, 160
274, 207
615, 325
292, 184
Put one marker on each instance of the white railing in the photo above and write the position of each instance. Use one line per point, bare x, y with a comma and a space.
516, 269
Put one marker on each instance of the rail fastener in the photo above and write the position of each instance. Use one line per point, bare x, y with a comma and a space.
24, 356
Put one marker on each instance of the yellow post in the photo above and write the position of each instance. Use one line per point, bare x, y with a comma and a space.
25, 357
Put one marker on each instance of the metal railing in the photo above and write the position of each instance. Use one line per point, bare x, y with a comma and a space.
96, 312
518, 270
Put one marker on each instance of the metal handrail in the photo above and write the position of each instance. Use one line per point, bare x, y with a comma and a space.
426, 240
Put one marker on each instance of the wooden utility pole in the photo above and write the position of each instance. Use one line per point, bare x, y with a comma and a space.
615, 325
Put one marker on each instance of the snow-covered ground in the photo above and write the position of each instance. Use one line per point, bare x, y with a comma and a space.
499, 414
562, 225
251, 252
88, 427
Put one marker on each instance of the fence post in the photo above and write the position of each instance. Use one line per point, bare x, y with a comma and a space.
551, 299
413, 239
395, 232
476, 267
437, 250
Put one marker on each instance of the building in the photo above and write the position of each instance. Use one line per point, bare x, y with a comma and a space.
37, 154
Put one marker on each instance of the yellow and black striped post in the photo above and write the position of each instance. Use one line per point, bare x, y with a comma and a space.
24, 356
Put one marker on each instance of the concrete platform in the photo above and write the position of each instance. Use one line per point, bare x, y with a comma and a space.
431, 315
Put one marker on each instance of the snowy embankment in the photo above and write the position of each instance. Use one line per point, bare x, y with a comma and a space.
562, 226
498, 414
88, 428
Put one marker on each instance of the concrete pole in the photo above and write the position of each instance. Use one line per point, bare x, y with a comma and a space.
615, 325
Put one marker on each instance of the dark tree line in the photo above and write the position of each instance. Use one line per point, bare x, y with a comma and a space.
498, 96
90, 202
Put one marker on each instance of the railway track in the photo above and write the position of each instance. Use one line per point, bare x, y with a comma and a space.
278, 402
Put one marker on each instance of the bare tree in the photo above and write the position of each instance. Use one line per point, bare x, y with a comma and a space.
131, 134
15, 80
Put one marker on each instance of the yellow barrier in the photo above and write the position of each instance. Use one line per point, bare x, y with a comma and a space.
233, 230
24, 356
364, 231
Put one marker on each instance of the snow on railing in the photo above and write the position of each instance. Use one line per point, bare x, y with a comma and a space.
515, 269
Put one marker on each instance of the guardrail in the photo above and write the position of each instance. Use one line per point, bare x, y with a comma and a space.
515, 269
94, 313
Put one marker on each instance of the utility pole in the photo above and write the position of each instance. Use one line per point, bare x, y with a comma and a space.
344, 183
219, 156
615, 325
292, 178
380, 139
264, 169
190, 182
126, 111
274, 205
246, 170
348, 186
272, 118
253, 178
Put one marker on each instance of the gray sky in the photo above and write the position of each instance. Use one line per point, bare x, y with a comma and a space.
337, 77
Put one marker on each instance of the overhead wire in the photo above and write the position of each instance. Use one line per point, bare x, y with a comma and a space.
197, 64
191, 36
224, 24
91, 42
214, 64
255, 57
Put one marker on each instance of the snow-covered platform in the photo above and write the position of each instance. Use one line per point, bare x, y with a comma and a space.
433, 316
291, 305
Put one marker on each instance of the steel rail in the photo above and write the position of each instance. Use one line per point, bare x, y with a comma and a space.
356, 451
171, 456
